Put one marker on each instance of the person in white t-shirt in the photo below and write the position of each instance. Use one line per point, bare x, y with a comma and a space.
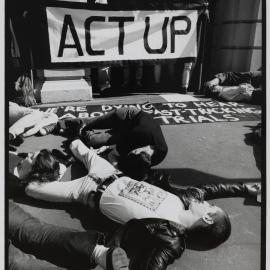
125, 198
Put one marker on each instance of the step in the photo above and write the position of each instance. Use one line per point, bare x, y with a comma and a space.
66, 90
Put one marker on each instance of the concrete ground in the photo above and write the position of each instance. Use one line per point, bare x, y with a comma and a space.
198, 153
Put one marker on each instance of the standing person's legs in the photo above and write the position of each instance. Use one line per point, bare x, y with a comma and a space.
66, 247
18, 260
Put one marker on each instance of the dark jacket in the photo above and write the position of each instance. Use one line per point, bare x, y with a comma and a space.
153, 244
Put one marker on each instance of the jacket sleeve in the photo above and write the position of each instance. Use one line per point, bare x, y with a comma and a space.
223, 190
168, 244
151, 244
159, 259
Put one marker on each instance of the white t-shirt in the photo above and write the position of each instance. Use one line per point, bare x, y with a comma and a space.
126, 198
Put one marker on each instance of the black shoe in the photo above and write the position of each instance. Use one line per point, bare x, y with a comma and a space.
183, 91
67, 160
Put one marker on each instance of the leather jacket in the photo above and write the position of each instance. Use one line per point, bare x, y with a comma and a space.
152, 243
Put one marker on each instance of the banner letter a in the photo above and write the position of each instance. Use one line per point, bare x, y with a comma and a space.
69, 23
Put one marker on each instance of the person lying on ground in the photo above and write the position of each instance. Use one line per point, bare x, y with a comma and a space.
123, 199
237, 86
24, 122
139, 140
36, 245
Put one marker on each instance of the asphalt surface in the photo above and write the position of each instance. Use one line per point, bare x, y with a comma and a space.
198, 153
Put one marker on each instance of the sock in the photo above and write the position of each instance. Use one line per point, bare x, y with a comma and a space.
99, 255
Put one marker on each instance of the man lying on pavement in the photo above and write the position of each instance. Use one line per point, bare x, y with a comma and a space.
165, 219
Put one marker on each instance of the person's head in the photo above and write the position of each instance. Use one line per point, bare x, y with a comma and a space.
137, 163
212, 226
41, 166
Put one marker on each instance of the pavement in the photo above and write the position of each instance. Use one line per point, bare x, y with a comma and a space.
198, 153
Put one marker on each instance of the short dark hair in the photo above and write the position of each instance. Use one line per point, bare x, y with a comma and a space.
136, 166
208, 236
46, 167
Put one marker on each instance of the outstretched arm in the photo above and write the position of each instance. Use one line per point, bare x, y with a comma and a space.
70, 191
222, 190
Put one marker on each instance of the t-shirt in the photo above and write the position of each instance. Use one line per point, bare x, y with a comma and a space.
126, 198
141, 132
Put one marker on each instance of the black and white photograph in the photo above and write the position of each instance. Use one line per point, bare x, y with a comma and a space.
136, 135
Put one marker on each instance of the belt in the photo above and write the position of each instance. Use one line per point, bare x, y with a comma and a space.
102, 187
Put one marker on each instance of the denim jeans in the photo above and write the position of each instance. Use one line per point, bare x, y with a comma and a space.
18, 260
52, 245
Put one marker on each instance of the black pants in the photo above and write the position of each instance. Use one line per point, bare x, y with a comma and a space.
108, 129
49, 245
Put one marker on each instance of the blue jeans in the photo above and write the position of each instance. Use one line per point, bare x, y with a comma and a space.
50, 246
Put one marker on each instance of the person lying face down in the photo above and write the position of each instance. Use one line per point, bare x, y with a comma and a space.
138, 137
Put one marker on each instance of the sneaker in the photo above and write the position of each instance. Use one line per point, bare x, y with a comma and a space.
116, 259
47, 129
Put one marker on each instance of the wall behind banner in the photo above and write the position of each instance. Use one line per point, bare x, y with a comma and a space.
236, 36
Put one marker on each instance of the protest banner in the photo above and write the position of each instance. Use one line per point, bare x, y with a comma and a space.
172, 113
80, 32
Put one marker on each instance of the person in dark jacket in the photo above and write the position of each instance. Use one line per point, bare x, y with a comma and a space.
237, 86
139, 140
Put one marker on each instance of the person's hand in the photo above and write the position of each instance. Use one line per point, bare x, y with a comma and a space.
254, 189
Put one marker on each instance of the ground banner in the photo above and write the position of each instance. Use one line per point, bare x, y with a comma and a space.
80, 32
172, 113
